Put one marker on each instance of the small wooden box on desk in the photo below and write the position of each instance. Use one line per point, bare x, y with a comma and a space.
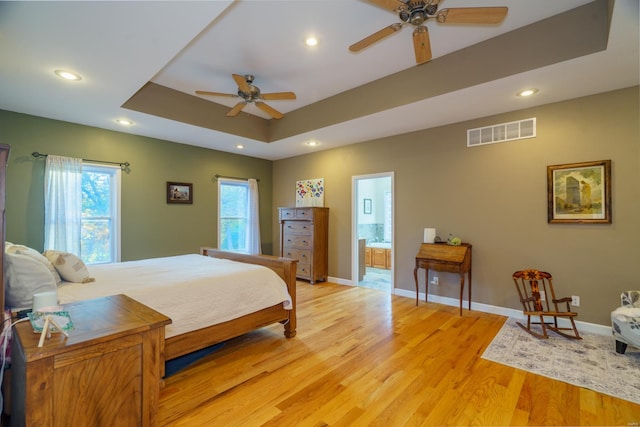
446, 258
107, 372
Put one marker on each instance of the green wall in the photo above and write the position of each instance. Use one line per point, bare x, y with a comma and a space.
150, 226
495, 197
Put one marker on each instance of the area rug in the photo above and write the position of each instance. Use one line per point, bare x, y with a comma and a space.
590, 363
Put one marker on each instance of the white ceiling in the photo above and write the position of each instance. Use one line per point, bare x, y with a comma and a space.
187, 45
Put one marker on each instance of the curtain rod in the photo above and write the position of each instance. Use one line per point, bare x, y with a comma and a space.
234, 177
122, 165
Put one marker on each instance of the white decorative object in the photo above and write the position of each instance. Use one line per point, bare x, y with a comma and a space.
429, 235
44, 299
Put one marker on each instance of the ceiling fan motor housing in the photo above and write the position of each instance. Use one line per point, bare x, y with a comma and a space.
254, 91
251, 96
416, 12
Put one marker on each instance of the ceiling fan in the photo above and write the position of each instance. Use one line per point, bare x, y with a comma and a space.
251, 94
417, 12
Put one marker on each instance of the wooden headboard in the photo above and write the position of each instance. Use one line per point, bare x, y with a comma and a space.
4, 157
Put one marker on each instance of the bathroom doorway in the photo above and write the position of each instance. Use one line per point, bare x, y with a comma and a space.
372, 243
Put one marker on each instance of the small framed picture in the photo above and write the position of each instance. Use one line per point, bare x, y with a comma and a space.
367, 206
179, 192
579, 193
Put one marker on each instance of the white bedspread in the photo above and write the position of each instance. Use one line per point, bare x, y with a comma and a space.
193, 290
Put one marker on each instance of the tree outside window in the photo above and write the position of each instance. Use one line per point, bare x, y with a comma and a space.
100, 219
233, 208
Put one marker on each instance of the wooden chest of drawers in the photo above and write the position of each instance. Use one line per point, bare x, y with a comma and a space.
304, 236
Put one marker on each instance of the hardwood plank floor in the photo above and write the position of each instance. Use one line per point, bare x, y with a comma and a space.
363, 357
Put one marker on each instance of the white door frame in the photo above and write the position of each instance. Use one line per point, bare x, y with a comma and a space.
354, 224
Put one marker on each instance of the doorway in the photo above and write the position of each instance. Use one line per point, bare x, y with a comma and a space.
372, 234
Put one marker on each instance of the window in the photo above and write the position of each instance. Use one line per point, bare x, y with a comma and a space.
233, 202
100, 234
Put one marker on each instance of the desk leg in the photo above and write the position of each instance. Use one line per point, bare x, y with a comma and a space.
461, 291
470, 288
426, 285
415, 277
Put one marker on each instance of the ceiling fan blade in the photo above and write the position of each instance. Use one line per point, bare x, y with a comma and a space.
269, 110
204, 92
278, 95
421, 44
472, 15
236, 109
377, 36
242, 83
391, 5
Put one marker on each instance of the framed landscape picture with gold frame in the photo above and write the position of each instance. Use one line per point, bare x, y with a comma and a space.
579, 193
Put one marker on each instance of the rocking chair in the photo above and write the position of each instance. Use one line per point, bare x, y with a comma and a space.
536, 292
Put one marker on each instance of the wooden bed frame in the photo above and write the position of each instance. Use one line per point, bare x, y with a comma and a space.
285, 267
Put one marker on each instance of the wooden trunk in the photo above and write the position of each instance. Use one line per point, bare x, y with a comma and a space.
107, 372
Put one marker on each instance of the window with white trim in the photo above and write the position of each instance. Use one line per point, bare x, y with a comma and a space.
100, 236
233, 200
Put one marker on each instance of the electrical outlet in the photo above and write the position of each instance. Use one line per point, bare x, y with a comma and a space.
575, 301
543, 296
435, 281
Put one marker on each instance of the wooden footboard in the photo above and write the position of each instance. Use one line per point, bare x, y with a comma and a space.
285, 267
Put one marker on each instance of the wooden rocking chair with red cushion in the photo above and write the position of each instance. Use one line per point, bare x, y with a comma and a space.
539, 300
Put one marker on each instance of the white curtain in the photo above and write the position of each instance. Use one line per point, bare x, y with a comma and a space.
63, 204
253, 219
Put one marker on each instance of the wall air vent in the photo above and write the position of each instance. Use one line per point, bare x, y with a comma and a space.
501, 133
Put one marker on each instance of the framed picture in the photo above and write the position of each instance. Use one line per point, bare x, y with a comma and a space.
367, 206
179, 192
310, 192
579, 193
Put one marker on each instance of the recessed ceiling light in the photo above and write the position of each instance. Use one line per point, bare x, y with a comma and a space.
239, 146
124, 122
311, 41
312, 143
67, 75
528, 92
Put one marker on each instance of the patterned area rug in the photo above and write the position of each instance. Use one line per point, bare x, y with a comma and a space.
590, 363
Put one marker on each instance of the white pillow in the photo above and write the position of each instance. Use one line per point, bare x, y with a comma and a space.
70, 267
25, 277
24, 250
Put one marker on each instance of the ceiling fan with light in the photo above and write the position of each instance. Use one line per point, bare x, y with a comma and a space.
417, 12
251, 94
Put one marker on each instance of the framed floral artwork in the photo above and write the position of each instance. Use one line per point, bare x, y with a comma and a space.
579, 193
310, 192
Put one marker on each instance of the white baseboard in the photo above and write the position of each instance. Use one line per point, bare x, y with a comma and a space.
486, 308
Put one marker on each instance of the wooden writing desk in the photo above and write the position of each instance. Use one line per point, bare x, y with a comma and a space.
447, 258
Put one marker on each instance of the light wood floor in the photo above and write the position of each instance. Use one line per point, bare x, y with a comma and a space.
363, 357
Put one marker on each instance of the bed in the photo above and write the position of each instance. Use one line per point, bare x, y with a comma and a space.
210, 297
